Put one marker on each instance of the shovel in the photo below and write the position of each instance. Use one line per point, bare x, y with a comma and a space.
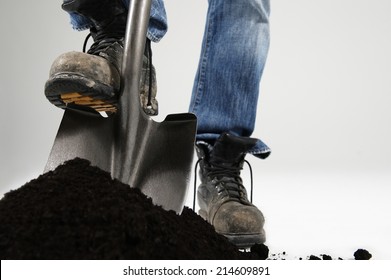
155, 157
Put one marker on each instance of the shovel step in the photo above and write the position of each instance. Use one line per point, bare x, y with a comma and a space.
88, 101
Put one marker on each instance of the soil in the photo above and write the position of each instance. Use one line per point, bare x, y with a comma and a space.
362, 254
78, 212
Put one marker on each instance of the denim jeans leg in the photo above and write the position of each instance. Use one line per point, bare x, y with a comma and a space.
233, 56
157, 25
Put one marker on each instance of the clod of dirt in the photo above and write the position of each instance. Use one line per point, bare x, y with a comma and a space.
78, 211
261, 250
322, 257
326, 258
362, 254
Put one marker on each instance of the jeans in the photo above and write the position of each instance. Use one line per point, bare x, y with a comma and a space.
233, 55
157, 23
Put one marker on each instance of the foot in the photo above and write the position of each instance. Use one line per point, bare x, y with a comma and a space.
90, 81
222, 197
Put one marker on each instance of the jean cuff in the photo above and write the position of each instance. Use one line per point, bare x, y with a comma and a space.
260, 150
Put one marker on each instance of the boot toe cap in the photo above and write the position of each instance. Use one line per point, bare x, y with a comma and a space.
239, 219
90, 66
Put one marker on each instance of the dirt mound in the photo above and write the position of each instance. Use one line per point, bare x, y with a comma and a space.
78, 211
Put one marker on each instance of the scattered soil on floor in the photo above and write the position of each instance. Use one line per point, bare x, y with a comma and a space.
78, 212
360, 254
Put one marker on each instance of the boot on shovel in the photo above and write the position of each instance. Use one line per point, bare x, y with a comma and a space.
153, 156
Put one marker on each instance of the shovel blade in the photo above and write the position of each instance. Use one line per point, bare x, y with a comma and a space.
159, 161
84, 136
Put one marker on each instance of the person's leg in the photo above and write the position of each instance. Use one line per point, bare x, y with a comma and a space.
224, 99
233, 56
157, 25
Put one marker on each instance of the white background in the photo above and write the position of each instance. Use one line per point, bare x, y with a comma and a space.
324, 111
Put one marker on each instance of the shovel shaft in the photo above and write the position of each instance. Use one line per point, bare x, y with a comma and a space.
134, 126
135, 37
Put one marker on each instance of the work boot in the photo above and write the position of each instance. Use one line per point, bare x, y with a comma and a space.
91, 81
222, 197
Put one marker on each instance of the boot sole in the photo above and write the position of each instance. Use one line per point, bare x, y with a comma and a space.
244, 241
68, 90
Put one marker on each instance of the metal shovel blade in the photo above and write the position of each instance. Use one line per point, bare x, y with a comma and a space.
153, 156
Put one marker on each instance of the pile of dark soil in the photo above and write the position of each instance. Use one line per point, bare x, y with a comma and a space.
78, 211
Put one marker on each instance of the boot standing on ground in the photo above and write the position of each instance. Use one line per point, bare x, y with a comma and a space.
224, 97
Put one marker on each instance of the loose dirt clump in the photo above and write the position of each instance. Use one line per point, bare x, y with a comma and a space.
78, 211
362, 254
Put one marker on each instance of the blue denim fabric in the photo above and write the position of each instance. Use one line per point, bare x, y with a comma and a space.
233, 56
157, 23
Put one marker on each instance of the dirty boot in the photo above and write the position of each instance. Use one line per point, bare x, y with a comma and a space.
91, 81
222, 197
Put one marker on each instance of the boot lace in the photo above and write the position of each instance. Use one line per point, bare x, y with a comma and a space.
102, 41
230, 178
